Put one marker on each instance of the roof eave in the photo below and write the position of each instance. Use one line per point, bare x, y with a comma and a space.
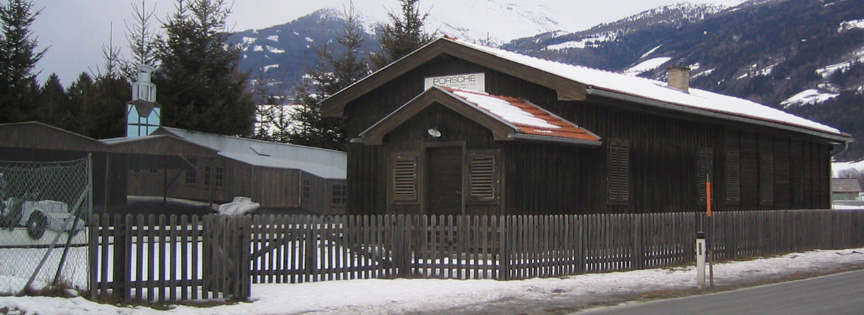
560, 140
839, 138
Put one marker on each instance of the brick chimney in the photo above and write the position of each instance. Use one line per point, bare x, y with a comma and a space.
679, 78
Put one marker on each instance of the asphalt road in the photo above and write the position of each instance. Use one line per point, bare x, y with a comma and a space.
835, 294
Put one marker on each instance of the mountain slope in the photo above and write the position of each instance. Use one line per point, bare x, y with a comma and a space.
803, 55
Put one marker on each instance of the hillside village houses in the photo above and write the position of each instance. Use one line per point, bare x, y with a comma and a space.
459, 128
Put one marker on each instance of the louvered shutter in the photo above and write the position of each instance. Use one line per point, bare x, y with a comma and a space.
405, 178
481, 176
733, 177
618, 172
766, 179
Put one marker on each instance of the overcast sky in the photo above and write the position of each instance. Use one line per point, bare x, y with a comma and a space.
74, 31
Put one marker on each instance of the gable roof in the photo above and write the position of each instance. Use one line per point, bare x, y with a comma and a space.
319, 162
508, 118
33, 135
845, 185
578, 83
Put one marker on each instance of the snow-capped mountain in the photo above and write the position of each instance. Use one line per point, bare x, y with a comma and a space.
786, 53
806, 56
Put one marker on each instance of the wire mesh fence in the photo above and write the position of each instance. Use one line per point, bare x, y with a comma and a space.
44, 210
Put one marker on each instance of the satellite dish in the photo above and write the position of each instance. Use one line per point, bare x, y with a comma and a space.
434, 133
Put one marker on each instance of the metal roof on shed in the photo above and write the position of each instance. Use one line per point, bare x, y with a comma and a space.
319, 162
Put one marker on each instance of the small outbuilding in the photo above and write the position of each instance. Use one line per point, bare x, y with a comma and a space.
275, 175
845, 189
460, 128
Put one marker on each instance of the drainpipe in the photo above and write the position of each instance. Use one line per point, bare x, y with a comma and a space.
845, 148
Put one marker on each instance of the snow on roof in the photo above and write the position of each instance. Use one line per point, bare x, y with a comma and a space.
319, 162
656, 90
525, 116
845, 185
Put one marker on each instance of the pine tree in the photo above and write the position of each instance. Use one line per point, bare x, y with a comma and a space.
104, 116
80, 92
330, 76
200, 85
18, 58
403, 35
54, 104
141, 37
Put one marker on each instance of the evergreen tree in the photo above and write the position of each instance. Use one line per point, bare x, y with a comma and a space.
18, 57
333, 74
104, 115
403, 35
142, 38
54, 104
80, 92
200, 85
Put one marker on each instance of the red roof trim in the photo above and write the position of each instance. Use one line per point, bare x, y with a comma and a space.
566, 129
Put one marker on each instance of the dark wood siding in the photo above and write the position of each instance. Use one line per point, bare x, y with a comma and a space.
532, 187
773, 169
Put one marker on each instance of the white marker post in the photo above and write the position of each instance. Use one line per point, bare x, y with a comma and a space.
700, 259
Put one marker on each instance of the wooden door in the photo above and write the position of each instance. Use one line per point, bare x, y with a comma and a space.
444, 185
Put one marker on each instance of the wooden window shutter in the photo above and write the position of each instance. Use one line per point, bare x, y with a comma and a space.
733, 176
405, 178
481, 176
766, 179
618, 172
704, 167
798, 185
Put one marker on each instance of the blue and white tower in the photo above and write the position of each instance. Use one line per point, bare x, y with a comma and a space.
143, 114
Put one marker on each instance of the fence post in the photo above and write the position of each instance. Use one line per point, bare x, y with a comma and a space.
121, 243
637, 241
503, 249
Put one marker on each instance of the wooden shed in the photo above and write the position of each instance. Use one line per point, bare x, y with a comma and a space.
459, 128
34, 141
177, 163
276, 175
845, 189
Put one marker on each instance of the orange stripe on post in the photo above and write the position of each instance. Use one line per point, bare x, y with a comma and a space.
708, 196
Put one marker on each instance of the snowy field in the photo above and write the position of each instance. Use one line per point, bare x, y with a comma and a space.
436, 296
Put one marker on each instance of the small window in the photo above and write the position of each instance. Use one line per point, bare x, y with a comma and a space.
481, 176
191, 172
220, 177
306, 189
404, 185
339, 194
619, 172
732, 166
154, 171
206, 176
766, 179
136, 170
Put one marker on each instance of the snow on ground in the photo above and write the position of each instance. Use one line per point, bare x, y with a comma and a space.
404, 296
591, 41
850, 25
647, 65
808, 97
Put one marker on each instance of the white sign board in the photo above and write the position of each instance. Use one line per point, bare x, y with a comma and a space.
469, 81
